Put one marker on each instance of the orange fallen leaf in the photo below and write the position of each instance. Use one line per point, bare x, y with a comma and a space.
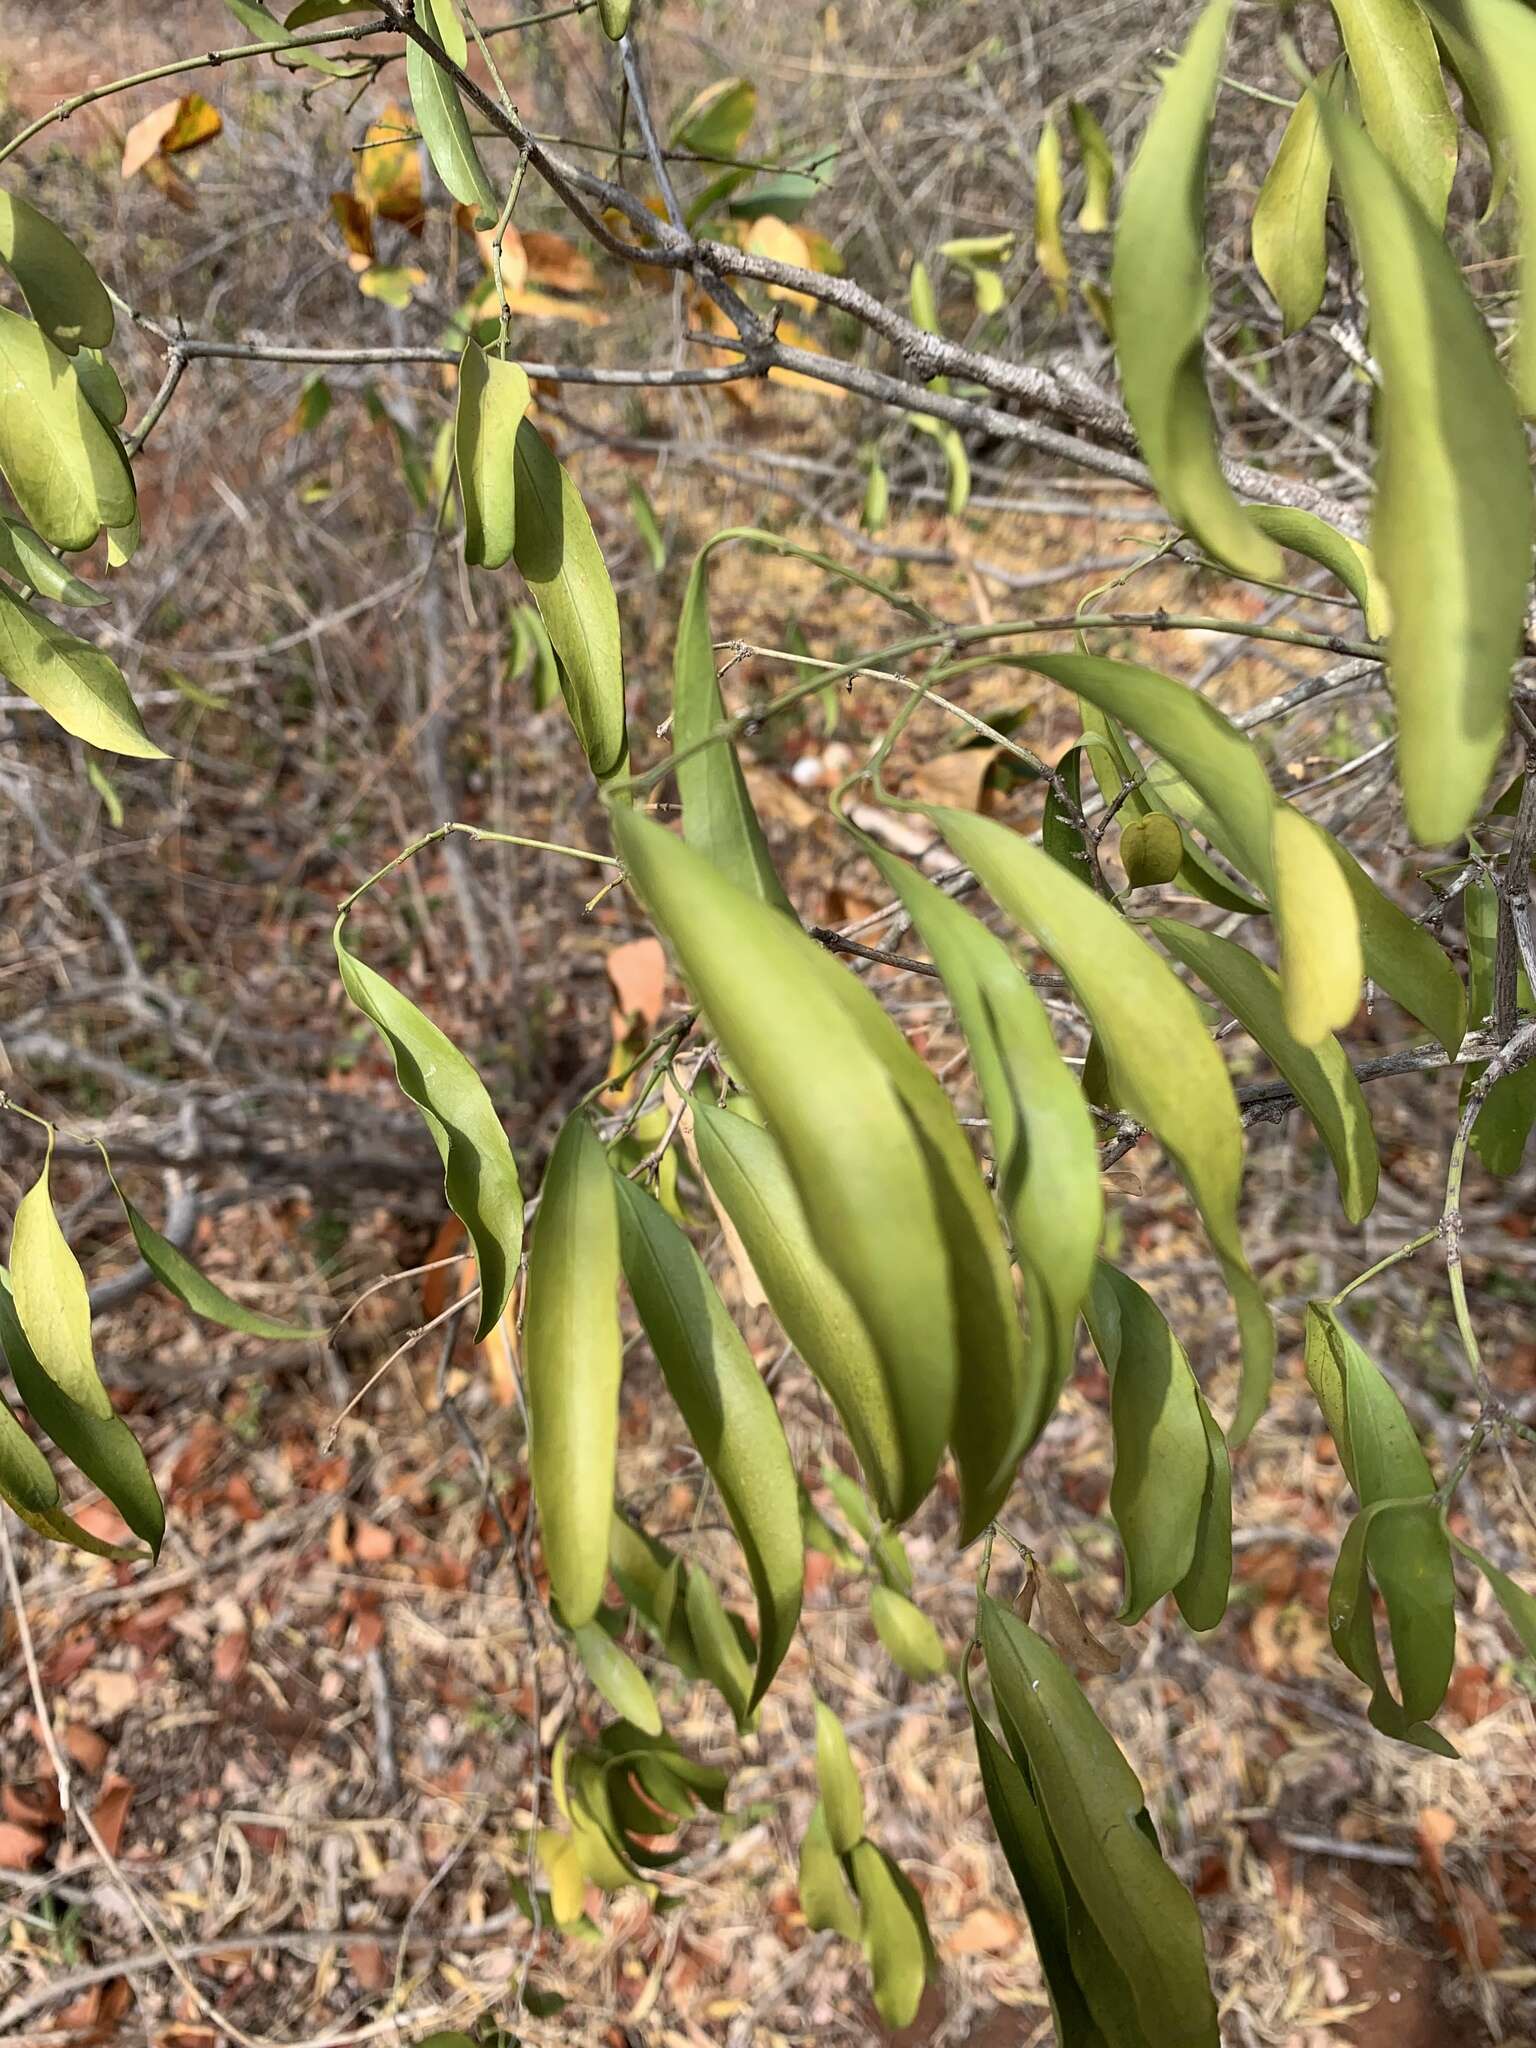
19, 1847
356, 224
111, 1811
231, 1653
388, 178
83, 1746
986, 1931
368, 1964
372, 1544
168, 130
554, 261
638, 973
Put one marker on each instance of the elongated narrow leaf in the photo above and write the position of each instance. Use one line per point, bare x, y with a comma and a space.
104, 1449
1162, 1451
28, 1487
1321, 1075
1228, 796
906, 1634
1349, 560
1031, 1856
1290, 220
174, 1270
563, 566
493, 396
729, 1412
66, 296
720, 1644
51, 1301
1162, 1064
893, 1933
1042, 1134
1322, 959
749, 1177
1162, 299
718, 817
571, 1347
1098, 169
1403, 1539
1504, 1123
652, 1579
1050, 251
81, 688
617, 1677
825, 1899
1451, 528
1394, 69
614, 16
63, 464
1402, 957
25, 559
479, 1172
792, 1029
1094, 1809
1518, 1605
842, 1798
440, 112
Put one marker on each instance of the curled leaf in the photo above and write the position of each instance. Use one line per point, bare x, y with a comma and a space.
493, 396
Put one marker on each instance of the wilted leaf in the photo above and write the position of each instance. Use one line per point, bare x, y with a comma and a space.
169, 130
388, 176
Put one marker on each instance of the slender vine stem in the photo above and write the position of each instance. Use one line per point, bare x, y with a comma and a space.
1404, 1251
480, 834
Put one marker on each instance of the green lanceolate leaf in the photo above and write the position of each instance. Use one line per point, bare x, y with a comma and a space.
1402, 957
28, 1487
781, 1011
493, 396
842, 1797
728, 1410
715, 121
749, 1177
617, 1676
652, 1579
479, 1172
1042, 1134
1451, 528
65, 295
64, 465
105, 1450
1320, 1075
572, 1355
1504, 1123
1098, 169
25, 559
825, 1900
1518, 1605
1349, 560
1162, 1449
563, 566
1402, 1544
1322, 960
1162, 299
440, 112
1290, 219
876, 509
51, 1301
720, 1644
893, 1932
1094, 1810
175, 1271
1407, 1554
1220, 783
1394, 69
1161, 1062
1050, 250
1031, 1856
79, 687
718, 817
906, 1634
643, 512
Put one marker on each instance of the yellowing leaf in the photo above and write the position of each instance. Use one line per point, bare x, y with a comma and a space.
907, 1635
1321, 963
52, 1306
780, 243
1451, 527
1394, 68
1098, 169
168, 130
493, 397
1161, 300
388, 176
1305, 534
64, 465
1050, 251
78, 686
356, 224
715, 121
571, 1349
824, 1896
1290, 220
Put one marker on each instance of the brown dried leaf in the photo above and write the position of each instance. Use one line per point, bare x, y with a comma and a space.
111, 1812
1067, 1629
19, 1847
638, 974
